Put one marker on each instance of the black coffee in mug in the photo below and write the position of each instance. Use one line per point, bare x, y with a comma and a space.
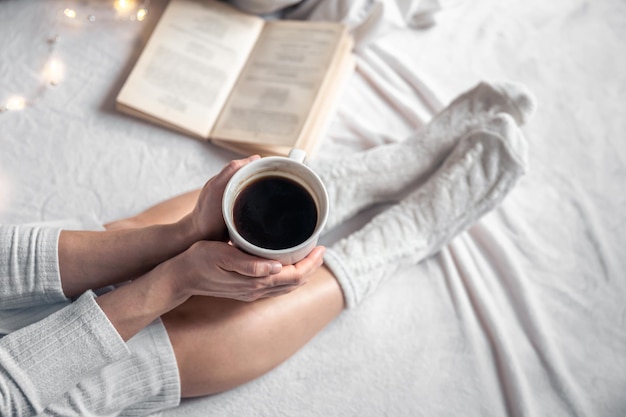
275, 212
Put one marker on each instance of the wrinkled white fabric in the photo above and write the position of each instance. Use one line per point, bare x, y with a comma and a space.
522, 314
369, 19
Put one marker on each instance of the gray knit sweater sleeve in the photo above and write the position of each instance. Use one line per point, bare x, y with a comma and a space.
29, 267
44, 360
40, 362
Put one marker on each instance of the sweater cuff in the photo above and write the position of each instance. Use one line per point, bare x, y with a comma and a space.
30, 266
49, 357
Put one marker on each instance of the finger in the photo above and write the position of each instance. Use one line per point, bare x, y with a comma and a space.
307, 265
277, 290
233, 166
314, 259
282, 290
235, 260
298, 273
253, 288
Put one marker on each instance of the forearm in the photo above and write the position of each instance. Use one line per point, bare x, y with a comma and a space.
132, 307
89, 260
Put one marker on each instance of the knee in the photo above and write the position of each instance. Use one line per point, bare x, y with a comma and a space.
215, 351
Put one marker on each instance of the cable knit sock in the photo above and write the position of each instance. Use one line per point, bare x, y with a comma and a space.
382, 173
483, 167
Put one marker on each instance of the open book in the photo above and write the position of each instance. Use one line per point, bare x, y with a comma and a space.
247, 84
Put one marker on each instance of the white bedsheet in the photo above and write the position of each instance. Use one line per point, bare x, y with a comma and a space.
523, 315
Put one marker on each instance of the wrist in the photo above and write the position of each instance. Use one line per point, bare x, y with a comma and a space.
169, 280
188, 230
196, 229
132, 307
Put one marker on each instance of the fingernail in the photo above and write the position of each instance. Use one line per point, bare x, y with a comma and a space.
275, 267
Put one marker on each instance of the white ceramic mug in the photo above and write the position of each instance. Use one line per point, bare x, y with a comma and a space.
292, 168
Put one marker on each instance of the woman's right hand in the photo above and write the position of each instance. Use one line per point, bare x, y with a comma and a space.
208, 268
218, 269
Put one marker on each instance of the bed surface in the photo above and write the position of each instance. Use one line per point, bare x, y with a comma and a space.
522, 315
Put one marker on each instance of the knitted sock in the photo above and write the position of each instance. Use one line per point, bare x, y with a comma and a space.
382, 173
480, 171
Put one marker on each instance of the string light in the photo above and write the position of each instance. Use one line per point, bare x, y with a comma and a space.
54, 69
122, 5
70, 13
15, 103
141, 14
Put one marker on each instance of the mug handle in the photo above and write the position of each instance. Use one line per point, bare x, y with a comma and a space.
297, 155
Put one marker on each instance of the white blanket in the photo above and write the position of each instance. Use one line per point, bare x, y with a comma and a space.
523, 315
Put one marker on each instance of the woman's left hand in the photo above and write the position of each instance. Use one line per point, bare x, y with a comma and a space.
207, 216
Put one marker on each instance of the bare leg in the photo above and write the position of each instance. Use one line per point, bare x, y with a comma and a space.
168, 211
221, 343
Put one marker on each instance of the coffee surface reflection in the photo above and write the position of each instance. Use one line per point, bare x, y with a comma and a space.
275, 212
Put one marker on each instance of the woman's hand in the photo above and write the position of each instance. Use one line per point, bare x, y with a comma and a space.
218, 269
207, 268
206, 217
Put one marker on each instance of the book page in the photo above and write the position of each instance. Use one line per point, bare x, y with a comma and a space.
319, 116
327, 101
190, 64
278, 86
